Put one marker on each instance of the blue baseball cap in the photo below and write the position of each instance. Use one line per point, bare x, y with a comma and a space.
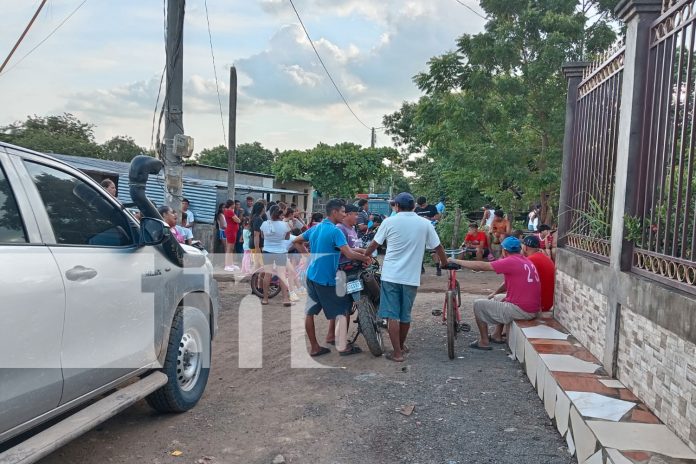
405, 199
512, 244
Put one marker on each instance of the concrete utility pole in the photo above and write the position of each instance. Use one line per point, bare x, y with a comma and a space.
232, 155
373, 138
173, 122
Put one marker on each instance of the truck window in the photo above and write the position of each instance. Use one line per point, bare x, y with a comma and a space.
79, 214
11, 226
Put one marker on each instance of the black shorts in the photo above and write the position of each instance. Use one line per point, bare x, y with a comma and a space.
324, 297
279, 259
472, 252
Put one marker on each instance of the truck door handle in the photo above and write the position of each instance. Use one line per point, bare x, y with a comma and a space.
79, 273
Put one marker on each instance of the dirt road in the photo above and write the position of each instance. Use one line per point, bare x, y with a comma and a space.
477, 408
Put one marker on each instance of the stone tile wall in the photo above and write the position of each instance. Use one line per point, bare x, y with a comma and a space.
582, 310
660, 368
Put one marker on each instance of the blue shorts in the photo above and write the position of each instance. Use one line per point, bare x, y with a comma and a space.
221, 235
324, 297
396, 301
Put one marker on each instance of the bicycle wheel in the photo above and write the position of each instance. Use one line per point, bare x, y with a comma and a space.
257, 285
459, 294
451, 323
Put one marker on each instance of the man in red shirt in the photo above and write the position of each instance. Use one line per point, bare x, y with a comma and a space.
545, 268
475, 243
523, 297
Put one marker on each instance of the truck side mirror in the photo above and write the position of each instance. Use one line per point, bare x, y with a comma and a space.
153, 231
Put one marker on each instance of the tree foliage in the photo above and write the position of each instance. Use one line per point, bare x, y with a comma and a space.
340, 170
250, 157
492, 115
63, 134
121, 148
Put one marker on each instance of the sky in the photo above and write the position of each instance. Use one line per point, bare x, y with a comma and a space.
105, 63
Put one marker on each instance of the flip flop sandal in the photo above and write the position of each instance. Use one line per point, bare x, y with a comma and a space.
350, 351
497, 342
475, 345
332, 342
322, 351
390, 356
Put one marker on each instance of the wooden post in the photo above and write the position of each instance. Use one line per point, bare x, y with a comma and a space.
457, 225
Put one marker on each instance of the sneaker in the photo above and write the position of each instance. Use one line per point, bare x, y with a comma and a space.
293, 296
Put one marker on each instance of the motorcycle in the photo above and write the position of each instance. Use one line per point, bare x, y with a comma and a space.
363, 285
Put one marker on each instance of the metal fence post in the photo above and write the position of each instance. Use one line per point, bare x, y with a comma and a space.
573, 73
638, 16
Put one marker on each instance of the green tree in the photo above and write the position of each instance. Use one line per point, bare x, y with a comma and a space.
121, 148
340, 170
492, 115
250, 157
63, 134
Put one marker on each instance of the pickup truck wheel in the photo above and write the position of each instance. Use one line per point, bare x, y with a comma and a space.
187, 363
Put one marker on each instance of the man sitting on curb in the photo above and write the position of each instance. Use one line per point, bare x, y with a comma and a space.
523, 298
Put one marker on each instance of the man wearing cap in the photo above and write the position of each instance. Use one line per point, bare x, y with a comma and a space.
545, 268
523, 298
407, 236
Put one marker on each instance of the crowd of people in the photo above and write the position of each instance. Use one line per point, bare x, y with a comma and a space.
274, 237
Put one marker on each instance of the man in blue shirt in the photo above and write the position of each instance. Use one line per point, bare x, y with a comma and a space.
327, 243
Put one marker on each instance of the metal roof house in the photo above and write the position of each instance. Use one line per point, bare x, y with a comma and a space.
203, 194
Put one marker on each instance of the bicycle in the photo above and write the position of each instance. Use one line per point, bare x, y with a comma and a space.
256, 282
451, 316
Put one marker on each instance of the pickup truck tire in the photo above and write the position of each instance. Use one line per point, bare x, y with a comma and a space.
187, 363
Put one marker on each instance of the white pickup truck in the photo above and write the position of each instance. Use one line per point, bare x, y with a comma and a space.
92, 301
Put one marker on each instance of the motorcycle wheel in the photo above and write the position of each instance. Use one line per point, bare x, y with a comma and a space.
367, 317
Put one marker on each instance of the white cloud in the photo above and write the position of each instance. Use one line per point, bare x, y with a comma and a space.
371, 48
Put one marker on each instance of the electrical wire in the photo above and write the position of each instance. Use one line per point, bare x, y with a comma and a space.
23, 35
217, 86
44, 39
471, 9
159, 89
325, 68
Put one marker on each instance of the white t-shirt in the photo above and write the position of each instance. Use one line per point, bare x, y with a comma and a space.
407, 236
274, 233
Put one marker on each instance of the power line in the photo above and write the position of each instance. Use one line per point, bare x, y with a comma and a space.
159, 89
217, 87
471, 9
45, 38
325, 69
24, 33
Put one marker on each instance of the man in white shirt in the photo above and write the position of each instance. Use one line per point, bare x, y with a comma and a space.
407, 236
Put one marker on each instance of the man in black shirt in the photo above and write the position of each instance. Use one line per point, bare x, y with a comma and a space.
430, 213
427, 211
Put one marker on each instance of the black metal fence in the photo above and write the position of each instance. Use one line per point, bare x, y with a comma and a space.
593, 161
663, 229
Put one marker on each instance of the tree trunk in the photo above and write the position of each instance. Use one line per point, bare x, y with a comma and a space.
457, 226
